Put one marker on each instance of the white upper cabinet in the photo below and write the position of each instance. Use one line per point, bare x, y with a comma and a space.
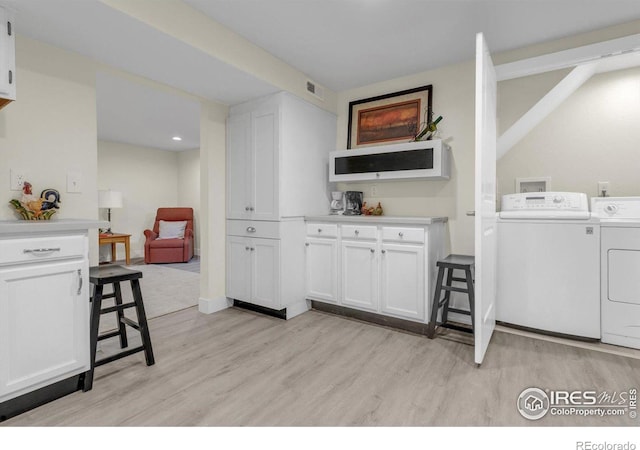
277, 158
417, 160
7, 58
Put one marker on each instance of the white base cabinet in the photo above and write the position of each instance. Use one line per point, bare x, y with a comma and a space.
403, 281
44, 311
265, 264
322, 269
388, 270
254, 270
359, 275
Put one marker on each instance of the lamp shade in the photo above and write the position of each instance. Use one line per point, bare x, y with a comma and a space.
109, 199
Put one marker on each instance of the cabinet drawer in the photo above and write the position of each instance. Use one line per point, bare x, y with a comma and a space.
359, 232
322, 229
25, 250
401, 234
254, 228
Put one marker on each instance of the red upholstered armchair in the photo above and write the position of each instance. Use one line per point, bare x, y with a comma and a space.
169, 250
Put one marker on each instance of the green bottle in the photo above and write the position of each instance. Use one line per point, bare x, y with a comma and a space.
429, 130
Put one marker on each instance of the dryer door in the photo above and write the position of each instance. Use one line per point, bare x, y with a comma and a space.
622, 247
621, 286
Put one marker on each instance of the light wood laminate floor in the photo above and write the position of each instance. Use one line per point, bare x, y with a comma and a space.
237, 367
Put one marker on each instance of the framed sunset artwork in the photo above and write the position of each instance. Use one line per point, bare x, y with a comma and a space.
389, 118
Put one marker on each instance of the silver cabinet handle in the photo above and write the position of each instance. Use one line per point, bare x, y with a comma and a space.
41, 250
246, 208
372, 250
471, 213
356, 232
80, 281
384, 251
401, 234
306, 244
319, 230
250, 208
247, 248
251, 229
252, 248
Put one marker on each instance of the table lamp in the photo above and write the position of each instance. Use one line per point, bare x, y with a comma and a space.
109, 199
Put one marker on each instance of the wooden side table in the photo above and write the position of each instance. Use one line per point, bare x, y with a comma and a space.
113, 239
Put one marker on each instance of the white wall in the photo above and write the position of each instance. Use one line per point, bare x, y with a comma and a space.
453, 97
148, 180
591, 138
51, 129
189, 188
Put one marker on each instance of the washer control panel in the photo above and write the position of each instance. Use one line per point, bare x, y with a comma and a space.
616, 207
564, 205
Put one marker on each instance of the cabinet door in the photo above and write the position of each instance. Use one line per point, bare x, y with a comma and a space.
359, 275
44, 325
238, 268
264, 142
265, 264
239, 161
7, 57
402, 285
322, 269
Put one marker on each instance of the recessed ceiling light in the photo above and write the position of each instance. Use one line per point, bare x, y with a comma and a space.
176, 138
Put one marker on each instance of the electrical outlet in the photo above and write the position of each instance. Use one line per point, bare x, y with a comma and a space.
374, 190
18, 177
603, 188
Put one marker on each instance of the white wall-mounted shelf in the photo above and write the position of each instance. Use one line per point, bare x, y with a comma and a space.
411, 160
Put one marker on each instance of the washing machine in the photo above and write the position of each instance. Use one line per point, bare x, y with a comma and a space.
620, 269
548, 264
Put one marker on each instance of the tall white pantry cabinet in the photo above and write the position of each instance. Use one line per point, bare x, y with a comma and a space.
277, 172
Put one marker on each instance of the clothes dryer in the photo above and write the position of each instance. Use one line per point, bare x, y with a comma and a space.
620, 269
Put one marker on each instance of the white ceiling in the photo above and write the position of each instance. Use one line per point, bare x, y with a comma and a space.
344, 44
340, 44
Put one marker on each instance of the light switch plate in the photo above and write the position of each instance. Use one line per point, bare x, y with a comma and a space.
74, 182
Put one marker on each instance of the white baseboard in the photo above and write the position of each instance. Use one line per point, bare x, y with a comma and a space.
212, 305
298, 308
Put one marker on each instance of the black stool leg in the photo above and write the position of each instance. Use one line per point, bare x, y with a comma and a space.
122, 328
472, 299
142, 322
447, 296
431, 330
94, 324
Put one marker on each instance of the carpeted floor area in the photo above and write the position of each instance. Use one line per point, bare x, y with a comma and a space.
165, 289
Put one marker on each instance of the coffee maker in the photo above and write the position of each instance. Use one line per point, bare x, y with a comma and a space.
353, 203
337, 202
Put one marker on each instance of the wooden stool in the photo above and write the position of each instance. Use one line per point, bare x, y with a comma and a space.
451, 263
113, 274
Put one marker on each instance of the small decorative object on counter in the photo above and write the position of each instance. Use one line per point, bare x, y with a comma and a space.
428, 131
31, 207
371, 211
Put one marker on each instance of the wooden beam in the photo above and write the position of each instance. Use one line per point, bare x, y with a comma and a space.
568, 58
569, 84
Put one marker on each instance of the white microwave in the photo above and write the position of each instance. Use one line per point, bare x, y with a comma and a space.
421, 160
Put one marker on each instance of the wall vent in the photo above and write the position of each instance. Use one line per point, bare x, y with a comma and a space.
315, 90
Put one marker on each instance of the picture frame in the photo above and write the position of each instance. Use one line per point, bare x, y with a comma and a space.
389, 118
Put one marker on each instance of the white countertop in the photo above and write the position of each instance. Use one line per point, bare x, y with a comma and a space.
376, 219
44, 226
